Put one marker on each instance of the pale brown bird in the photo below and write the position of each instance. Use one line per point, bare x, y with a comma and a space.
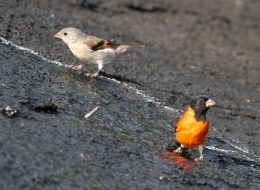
91, 49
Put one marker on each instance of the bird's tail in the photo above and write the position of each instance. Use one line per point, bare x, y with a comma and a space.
123, 48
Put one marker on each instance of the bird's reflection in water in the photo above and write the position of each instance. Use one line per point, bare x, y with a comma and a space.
180, 161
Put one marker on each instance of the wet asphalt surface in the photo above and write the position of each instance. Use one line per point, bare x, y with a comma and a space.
191, 48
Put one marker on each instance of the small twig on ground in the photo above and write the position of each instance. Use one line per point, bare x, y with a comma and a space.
87, 115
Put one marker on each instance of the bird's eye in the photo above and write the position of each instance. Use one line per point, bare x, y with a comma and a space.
65, 33
201, 101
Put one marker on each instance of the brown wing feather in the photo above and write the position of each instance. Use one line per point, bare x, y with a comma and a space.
104, 44
91, 41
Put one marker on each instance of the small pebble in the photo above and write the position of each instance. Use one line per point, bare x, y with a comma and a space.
9, 112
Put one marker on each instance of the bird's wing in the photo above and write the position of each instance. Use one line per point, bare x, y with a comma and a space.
95, 43
91, 41
103, 44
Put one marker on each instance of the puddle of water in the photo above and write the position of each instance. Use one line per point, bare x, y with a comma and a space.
176, 160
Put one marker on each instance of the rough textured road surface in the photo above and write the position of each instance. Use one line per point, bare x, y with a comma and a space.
191, 47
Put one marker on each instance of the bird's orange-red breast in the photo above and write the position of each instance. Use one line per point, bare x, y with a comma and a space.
191, 131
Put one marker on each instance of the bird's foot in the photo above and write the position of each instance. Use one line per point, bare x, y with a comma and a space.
91, 75
198, 159
178, 151
77, 67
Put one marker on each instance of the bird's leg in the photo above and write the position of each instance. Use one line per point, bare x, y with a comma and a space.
179, 150
77, 67
92, 75
201, 154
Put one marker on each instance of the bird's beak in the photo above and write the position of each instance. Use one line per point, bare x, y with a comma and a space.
210, 103
57, 35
